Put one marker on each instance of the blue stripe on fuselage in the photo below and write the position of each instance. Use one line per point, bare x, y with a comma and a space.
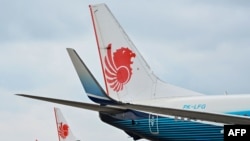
163, 128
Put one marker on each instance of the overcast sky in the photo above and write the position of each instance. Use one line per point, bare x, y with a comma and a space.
202, 46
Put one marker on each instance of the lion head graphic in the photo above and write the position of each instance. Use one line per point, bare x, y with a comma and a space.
63, 130
118, 69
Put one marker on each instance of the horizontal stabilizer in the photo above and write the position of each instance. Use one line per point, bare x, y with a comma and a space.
82, 105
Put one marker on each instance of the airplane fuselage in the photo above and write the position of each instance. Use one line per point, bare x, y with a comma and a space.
231, 104
156, 127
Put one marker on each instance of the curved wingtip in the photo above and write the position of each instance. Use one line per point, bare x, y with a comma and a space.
91, 86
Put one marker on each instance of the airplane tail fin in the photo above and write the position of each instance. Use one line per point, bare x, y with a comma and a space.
63, 128
127, 76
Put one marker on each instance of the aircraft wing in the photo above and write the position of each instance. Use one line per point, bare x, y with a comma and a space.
194, 115
88, 106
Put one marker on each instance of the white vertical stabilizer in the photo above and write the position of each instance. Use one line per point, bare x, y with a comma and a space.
63, 128
127, 76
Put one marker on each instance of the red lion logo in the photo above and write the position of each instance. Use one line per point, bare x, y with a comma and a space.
63, 130
118, 70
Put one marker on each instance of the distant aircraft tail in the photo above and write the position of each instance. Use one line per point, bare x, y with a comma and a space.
63, 128
127, 76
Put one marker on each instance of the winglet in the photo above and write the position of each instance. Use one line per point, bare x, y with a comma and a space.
93, 89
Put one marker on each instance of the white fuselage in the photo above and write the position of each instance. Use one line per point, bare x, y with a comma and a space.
207, 103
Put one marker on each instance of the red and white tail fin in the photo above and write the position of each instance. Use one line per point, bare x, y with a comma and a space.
126, 74
63, 128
